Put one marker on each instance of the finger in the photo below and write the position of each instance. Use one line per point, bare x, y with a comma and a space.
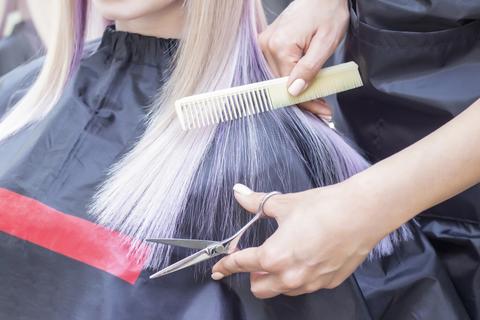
314, 285
263, 40
318, 107
280, 50
246, 260
272, 284
272, 63
273, 207
283, 67
309, 65
286, 58
265, 286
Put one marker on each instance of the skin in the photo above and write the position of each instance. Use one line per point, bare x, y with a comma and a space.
334, 224
300, 40
158, 18
95, 25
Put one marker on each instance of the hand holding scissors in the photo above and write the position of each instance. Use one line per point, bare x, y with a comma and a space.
209, 249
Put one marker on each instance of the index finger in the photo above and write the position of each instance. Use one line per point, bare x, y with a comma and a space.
309, 65
246, 260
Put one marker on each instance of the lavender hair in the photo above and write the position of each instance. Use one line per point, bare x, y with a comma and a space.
174, 183
183, 180
80, 28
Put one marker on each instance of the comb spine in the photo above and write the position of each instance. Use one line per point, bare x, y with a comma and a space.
233, 103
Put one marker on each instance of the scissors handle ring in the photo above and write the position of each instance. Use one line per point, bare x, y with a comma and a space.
265, 199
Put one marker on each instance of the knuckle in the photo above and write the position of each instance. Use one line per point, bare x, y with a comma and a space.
274, 43
309, 65
309, 288
272, 206
292, 280
258, 291
254, 288
288, 55
279, 42
275, 258
234, 262
268, 260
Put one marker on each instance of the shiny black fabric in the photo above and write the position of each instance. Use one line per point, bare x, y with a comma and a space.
60, 161
420, 62
418, 16
21, 46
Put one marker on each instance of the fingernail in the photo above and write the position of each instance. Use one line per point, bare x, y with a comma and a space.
296, 87
217, 276
243, 190
326, 118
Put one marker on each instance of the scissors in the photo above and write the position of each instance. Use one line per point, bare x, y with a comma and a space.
209, 249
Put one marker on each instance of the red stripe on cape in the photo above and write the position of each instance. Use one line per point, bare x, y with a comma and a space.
76, 238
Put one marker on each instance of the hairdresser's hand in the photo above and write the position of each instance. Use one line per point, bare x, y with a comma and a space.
325, 233
301, 39
320, 241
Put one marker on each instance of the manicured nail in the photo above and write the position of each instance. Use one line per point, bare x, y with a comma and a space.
217, 276
243, 190
296, 87
326, 118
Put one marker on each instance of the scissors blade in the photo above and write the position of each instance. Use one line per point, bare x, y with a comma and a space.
184, 263
184, 243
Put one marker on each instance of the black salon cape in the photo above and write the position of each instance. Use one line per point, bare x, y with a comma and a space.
21, 46
420, 62
56, 263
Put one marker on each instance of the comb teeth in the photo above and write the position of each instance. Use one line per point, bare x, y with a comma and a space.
234, 103
215, 109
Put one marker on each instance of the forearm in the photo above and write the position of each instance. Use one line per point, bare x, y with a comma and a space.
428, 172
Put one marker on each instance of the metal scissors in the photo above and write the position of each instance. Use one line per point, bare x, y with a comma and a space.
209, 249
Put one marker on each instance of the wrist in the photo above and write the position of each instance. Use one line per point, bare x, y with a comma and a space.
376, 206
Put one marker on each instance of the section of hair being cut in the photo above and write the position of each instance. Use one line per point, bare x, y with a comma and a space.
176, 183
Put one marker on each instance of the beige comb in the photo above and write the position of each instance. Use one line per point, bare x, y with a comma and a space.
229, 104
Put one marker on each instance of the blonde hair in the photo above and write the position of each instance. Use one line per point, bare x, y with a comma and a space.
134, 199
174, 181
4, 11
57, 66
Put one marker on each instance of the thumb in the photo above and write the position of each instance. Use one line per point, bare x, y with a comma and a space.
251, 201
